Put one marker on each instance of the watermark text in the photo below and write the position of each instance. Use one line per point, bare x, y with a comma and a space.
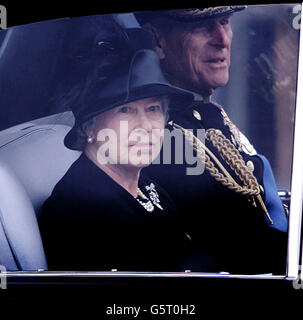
141, 147
296, 22
3, 17
298, 283
3, 280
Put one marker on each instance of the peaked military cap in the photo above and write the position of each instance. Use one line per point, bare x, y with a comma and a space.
187, 15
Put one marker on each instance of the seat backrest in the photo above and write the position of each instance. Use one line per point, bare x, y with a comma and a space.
20, 242
33, 159
38, 157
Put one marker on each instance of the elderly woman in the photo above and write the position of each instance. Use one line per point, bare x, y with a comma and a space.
103, 214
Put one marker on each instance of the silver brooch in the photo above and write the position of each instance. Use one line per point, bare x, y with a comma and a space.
146, 203
153, 195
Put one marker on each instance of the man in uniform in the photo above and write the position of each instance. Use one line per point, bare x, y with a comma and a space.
232, 210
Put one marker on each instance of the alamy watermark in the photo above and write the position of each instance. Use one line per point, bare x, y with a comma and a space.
3, 17
296, 22
298, 283
140, 147
3, 277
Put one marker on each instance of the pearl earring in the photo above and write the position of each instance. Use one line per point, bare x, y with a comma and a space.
90, 140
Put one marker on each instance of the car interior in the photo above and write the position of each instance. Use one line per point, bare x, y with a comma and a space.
29, 169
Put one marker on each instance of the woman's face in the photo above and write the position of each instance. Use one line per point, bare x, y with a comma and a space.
130, 134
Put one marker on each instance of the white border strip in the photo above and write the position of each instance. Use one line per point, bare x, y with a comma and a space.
295, 216
130, 274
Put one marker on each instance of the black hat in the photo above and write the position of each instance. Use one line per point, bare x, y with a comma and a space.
187, 15
137, 75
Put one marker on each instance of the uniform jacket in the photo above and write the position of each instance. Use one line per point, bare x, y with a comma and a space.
238, 235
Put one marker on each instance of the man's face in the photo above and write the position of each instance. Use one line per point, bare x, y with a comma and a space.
197, 55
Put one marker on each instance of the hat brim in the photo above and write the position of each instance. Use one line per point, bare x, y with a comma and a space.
187, 15
179, 99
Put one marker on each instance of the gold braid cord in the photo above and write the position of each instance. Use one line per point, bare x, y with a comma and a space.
232, 157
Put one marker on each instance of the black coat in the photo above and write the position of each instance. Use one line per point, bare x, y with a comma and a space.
91, 223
